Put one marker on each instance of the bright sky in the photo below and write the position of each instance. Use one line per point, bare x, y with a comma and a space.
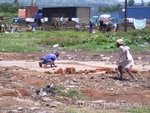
136, 1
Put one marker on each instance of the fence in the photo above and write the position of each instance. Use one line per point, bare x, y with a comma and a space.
81, 24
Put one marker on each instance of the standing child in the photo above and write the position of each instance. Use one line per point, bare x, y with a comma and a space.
125, 59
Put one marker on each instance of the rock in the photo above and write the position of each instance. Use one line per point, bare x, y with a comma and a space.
110, 89
105, 59
87, 58
101, 55
55, 104
46, 99
32, 108
63, 53
137, 86
86, 71
139, 58
47, 72
79, 72
19, 109
111, 71
13, 111
74, 80
123, 101
92, 71
95, 57
69, 58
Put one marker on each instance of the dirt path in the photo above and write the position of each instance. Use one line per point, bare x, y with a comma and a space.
20, 77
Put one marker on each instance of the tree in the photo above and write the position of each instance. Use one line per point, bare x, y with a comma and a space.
142, 3
16, 3
9, 8
33, 3
113, 9
148, 3
131, 2
118, 6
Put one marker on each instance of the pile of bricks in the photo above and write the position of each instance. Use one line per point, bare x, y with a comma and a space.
72, 70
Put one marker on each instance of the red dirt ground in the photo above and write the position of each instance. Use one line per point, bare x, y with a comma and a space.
18, 86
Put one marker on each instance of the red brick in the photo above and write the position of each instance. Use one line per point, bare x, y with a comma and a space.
133, 70
60, 71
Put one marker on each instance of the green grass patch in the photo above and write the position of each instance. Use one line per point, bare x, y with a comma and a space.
18, 44
72, 110
71, 40
88, 110
138, 110
92, 48
71, 93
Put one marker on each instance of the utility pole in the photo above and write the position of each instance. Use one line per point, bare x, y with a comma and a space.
125, 20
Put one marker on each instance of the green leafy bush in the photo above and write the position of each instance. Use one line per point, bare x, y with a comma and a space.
96, 39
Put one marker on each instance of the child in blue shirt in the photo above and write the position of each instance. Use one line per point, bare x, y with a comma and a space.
49, 60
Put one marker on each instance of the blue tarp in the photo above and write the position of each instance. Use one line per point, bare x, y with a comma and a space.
16, 20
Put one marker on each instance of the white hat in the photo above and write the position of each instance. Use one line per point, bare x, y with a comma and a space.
120, 41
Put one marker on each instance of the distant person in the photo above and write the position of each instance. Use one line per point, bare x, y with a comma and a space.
114, 27
3, 27
90, 27
11, 26
33, 27
49, 59
6, 27
0, 28
125, 59
63, 20
101, 23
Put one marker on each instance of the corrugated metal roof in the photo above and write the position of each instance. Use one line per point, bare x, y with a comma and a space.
22, 13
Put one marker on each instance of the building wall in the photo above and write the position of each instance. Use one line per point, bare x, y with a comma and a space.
31, 11
22, 13
69, 12
84, 14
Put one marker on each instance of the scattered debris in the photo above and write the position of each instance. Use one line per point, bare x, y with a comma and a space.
56, 45
43, 91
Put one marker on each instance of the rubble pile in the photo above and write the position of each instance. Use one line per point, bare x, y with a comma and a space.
72, 70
